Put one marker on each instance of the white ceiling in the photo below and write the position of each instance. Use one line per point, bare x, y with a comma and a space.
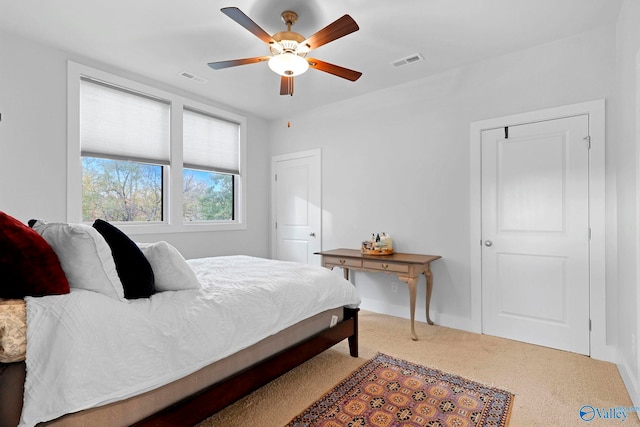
162, 38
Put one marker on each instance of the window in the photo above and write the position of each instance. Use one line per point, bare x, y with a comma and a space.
211, 163
119, 190
131, 145
124, 141
207, 196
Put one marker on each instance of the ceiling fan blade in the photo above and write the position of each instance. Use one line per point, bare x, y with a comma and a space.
219, 65
339, 28
242, 19
286, 85
336, 70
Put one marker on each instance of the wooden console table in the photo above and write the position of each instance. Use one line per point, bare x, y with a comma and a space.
407, 267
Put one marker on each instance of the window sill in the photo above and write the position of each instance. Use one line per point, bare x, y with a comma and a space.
161, 228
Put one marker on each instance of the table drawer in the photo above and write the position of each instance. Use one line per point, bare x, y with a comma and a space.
342, 262
385, 266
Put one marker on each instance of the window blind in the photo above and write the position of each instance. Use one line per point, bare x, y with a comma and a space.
117, 123
210, 143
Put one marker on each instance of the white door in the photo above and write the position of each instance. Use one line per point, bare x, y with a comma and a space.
535, 233
296, 207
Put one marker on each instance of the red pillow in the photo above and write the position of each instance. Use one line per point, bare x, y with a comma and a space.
28, 265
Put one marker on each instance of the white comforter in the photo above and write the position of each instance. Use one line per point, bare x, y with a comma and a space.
85, 349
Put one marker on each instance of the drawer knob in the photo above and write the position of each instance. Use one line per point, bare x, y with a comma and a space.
385, 266
342, 261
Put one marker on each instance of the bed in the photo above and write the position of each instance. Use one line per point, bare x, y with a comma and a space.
214, 330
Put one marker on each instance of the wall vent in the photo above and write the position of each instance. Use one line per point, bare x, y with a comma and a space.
193, 77
416, 57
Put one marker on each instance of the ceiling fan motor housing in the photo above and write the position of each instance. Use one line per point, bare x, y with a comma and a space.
288, 41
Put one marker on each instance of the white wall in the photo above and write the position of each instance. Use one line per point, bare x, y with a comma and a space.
33, 147
625, 115
398, 160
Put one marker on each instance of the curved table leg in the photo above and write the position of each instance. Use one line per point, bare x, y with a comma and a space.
429, 277
412, 283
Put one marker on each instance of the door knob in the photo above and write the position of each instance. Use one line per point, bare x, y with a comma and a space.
488, 243
312, 234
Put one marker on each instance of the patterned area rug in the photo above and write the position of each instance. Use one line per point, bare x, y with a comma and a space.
391, 392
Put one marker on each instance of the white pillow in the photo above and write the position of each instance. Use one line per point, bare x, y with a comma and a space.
170, 270
84, 256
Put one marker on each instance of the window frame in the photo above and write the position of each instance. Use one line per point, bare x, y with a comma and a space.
172, 174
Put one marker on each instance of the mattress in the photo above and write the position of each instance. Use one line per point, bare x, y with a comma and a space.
126, 412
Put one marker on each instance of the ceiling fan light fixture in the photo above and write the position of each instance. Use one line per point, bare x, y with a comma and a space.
288, 64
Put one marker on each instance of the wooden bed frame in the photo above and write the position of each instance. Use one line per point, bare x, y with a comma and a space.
201, 405
207, 402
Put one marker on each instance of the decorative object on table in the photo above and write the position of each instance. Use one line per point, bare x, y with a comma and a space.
389, 391
378, 244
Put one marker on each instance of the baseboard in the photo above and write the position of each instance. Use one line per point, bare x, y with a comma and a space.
607, 354
402, 311
630, 382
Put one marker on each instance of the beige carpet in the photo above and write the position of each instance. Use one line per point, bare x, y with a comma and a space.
550, 385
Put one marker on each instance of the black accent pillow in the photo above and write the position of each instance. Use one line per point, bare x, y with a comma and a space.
133, 268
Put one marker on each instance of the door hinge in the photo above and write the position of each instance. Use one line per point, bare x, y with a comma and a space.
589, 325
275, 177
276, 225
589, 233
588, 139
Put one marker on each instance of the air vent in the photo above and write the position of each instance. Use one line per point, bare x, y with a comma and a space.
193, 77
408, 60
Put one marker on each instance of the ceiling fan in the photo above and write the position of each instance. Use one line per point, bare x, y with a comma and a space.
289, 49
